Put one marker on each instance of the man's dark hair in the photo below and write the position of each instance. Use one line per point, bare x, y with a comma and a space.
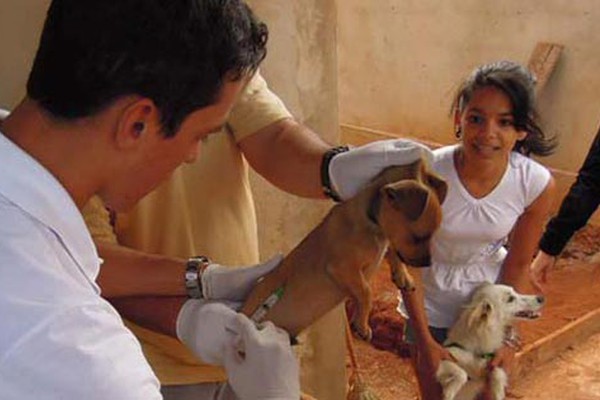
178, 53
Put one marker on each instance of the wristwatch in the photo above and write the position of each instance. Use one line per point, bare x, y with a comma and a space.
194, 268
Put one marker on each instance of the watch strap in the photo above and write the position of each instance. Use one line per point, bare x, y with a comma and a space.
328, 190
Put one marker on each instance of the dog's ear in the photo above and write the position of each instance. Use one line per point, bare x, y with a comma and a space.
408, 197
480, 312
438, 185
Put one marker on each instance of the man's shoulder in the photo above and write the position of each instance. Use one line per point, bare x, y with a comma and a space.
18, 227
83, 343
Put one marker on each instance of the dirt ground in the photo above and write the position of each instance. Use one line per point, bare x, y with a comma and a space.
572, 292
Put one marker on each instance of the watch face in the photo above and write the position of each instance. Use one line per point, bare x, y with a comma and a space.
191, 275
192, 281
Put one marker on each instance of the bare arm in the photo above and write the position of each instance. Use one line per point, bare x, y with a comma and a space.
525, 238
415, 306
147, 289
288, 155
428, 353
523, 244
127, 272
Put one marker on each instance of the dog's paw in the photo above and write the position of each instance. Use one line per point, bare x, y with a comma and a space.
363, 332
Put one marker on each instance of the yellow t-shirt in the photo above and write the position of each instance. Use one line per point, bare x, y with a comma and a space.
205, 208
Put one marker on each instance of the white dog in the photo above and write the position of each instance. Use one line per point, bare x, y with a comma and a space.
479, 332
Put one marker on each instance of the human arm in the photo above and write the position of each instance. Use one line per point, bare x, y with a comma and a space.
291, 156
428, 353
576, 209
159, 312
578, 205
524, 239
523, 243
287, 154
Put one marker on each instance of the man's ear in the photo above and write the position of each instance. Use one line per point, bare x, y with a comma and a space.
138, 120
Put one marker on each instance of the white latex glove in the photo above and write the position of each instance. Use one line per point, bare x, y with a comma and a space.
203, 327
232, 283
260, 363
350, 171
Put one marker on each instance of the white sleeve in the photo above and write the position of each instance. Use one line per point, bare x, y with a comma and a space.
84, 353
536, 178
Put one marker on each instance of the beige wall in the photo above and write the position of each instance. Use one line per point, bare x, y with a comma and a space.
301, 67
20, 25
401, 60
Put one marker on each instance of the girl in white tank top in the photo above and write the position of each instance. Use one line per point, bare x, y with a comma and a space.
493, 190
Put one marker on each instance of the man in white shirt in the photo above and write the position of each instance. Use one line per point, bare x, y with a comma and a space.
121, 92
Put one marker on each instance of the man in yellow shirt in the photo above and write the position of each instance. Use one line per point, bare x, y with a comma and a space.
206, 208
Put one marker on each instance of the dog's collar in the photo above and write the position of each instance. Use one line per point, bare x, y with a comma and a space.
373, 209
487, 356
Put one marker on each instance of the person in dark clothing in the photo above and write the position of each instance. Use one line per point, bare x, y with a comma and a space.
576, 208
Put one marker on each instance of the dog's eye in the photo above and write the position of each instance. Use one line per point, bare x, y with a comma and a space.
511, 298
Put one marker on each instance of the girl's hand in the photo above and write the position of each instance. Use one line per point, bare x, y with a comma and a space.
429, 356
504, 358
432, 355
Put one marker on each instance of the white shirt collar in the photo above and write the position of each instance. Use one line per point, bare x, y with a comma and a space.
33, 189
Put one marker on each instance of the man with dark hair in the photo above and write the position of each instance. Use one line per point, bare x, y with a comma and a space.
151, 253
120, 94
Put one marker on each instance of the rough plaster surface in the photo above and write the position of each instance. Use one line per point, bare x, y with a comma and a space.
301, 68
400, 62
20, 25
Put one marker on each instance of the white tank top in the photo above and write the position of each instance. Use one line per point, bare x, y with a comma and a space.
468, 248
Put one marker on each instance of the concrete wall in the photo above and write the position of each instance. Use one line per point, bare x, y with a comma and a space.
400, 62
20, 26
301, 67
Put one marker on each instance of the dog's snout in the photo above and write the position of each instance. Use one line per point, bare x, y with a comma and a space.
540, 299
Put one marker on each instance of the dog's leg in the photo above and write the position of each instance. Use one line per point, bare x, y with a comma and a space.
357, 287
400, 275
498, 382
452, 378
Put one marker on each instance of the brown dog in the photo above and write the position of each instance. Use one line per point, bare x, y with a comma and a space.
400, 210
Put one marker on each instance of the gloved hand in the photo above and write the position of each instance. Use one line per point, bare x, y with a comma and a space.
203, 327
350, 171
260, 363
231, 283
